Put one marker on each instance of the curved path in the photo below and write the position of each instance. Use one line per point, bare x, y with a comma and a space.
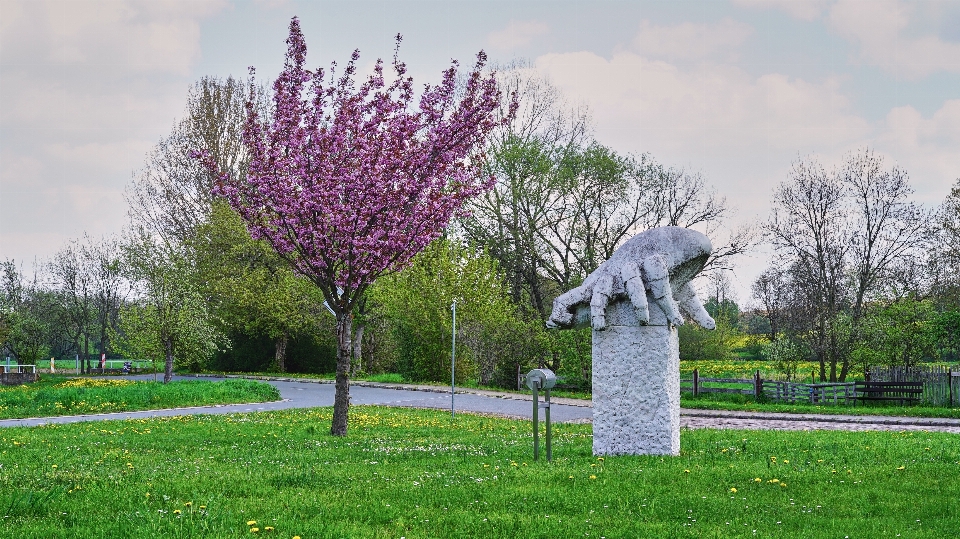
301, 393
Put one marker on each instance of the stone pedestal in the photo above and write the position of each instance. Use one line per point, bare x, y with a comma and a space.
636, 384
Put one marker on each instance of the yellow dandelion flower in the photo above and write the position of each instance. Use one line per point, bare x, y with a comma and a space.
600, 459
686, 471
571, 477
203, 507
785, 461
177, 511
901, 467
593, 477
54, 466
254, 530
188, 504
758, 480
733, 489
296, 537
783, 485
251, 522
268, 528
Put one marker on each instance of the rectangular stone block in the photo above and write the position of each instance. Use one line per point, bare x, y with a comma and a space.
636, 390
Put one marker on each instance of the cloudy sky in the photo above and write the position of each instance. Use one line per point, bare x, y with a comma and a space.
736, 90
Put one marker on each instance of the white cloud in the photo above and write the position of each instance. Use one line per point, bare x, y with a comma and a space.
743, 131
691, 41
881, 29
806, 10
516, 34
88, 87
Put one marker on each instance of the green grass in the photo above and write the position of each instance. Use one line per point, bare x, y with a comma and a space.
419, 474
746, 403
56, 395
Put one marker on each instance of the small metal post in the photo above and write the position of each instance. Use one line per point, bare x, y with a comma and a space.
546, 413
536, 422
453, 360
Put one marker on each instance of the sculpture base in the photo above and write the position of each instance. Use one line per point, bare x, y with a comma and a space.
636, 390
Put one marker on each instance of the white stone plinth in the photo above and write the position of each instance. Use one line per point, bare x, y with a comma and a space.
636, 385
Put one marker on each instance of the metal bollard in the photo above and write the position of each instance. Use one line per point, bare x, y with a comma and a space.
538, 379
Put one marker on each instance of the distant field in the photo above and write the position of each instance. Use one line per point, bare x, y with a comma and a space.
57, 395
419, 474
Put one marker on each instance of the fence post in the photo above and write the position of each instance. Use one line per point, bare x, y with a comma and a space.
757, 385
950, 384
696, 382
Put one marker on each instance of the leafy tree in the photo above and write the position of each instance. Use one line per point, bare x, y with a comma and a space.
417, 302
168, 318
349, 184
902, 333
250, 287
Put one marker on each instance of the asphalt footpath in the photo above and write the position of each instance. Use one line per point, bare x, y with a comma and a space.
309, 393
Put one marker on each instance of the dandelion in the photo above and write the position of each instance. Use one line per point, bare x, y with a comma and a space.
203, 507
758, 480
571, 477
177, 511
600, 459
251, 522
733, 489
268, 528
783, 485
901, 467
54, 466
593, 477
254, 530
785, 461
188, 504
686, 471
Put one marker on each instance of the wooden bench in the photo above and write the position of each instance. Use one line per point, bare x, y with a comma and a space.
889, 391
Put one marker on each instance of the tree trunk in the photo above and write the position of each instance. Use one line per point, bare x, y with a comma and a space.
86, 354
168, 364
341, 399
358, 349
281, 356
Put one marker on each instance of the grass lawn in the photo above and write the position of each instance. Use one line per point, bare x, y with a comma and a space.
746, 403
417, 474
56, 395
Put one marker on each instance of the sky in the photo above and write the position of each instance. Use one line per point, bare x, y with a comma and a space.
735, 90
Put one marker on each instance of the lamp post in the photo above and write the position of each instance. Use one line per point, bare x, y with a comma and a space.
453, 360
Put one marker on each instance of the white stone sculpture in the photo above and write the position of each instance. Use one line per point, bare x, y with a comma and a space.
636, 357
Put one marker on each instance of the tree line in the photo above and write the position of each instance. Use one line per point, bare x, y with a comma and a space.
861, 274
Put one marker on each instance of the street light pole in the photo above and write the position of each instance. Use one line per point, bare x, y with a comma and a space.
453, 360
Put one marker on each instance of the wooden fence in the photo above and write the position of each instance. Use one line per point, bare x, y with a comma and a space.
793, 392
940, 383
781, 391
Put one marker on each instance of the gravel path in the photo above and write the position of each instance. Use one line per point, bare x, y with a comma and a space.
303, 393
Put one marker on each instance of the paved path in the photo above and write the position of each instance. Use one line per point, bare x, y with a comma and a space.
300, 393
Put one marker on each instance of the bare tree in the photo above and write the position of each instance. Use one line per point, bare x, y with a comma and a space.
842, 234
70, 276
172, 194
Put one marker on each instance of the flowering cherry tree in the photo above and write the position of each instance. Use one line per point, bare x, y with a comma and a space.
348, 182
